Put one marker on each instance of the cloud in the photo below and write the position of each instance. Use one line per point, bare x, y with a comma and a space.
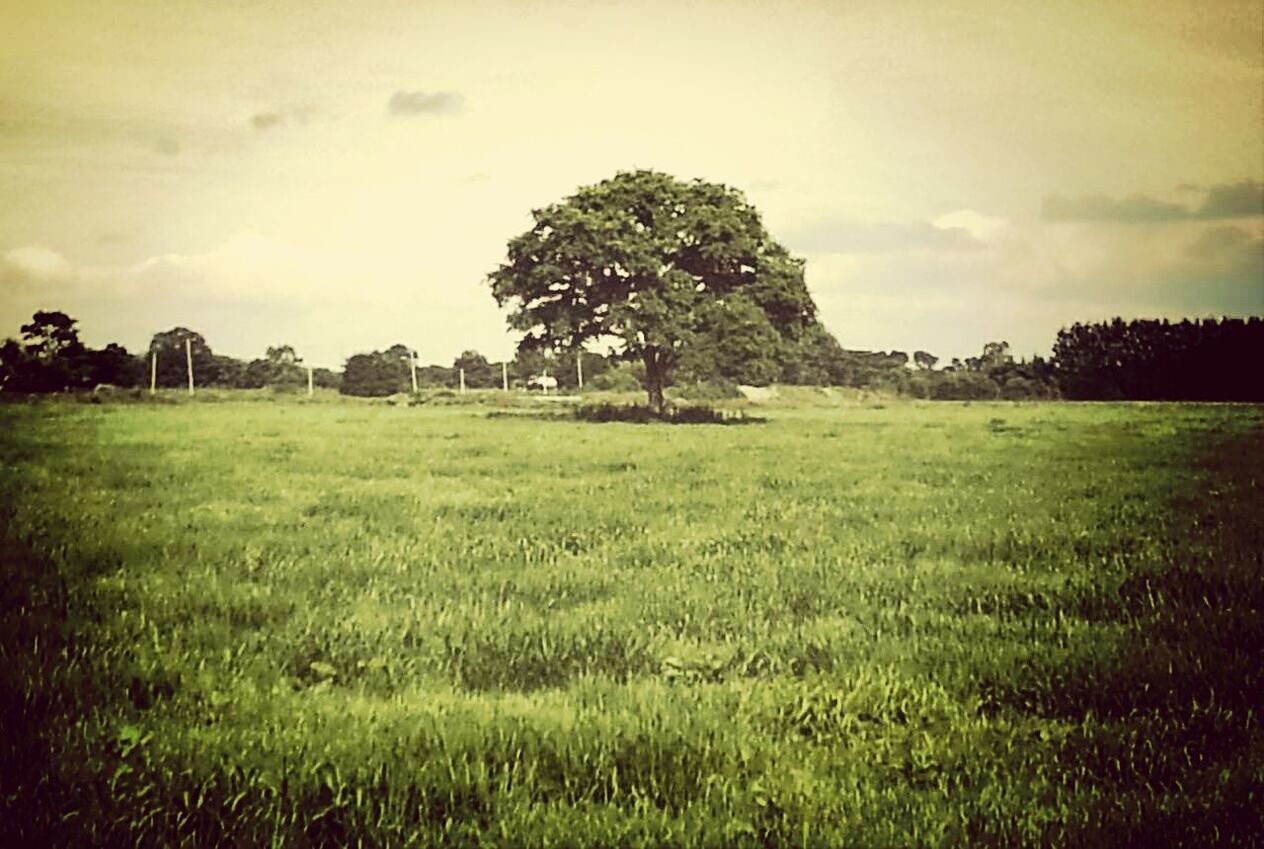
35, 264
984, 228
1133, 209
1224, 265
266, 120
1236, 200
855, 236
167, 146
421, 103
1229, 200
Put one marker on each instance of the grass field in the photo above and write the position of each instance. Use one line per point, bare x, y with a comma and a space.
336, 624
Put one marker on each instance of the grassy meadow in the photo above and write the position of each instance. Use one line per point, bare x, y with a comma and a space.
852, 624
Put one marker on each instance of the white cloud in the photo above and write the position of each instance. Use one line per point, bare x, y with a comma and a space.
982, 227
37, 264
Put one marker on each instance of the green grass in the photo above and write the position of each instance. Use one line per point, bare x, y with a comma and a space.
299, 624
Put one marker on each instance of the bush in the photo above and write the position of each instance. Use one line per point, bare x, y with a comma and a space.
965, 386
708, 390
619, 379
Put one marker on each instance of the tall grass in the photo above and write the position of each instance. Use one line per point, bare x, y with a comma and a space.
337, 624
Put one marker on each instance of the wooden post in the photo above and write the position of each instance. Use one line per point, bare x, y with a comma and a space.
412, 361
311, 387
579, 367
153, 372
188, 358
462, 381
504, 376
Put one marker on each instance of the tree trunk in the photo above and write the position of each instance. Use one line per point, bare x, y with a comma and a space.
655, 372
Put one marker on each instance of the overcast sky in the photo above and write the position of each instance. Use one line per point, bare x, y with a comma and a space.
342, 176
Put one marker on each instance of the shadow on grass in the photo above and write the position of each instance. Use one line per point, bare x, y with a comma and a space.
637, 414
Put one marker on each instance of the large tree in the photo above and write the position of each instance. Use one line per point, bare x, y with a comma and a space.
651, 265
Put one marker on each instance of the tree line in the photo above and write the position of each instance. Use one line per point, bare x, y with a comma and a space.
1202, 360
50, 357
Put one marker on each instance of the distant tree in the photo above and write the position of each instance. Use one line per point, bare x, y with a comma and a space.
478, 371
924, 360
231, 372
1161, 360
964, 386
51, 358
530, 362
377, 374
619, 377
995, 355
437, 376
323, 378
15, 364
651, 264
56, 359
816, 359
595, 365
281, 369
283, 355
172, 367
115, 366
50, 336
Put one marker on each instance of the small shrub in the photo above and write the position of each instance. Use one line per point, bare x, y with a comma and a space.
619, 379
708, 390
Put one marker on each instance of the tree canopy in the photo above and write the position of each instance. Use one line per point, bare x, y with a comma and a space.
653, 266
172, 369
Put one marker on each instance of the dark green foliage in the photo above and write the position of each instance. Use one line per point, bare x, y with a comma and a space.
711, 390
637, 414
323, 378
281, 368
479, 373
52, 359
1206, 360
620, 377
378, 374
173, 358
233, 373
964, 386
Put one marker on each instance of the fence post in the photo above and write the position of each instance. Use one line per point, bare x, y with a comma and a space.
188, 358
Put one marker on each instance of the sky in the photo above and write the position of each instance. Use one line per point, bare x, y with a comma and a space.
342, 176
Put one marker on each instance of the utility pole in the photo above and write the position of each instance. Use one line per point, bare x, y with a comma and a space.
579, 367
504, 375
412, 360
188, 358
311, 389
153, 371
